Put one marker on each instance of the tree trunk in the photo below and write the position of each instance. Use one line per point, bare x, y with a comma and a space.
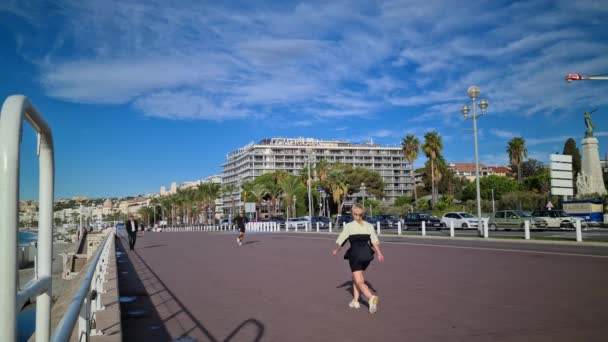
414, 182
433, 199
519, 172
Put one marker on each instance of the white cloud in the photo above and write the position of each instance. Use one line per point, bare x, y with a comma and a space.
504, 134
326, 59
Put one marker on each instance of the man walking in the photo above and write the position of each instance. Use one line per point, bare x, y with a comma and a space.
131, 227
241, 221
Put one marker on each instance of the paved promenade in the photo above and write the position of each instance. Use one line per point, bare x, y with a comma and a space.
288, 287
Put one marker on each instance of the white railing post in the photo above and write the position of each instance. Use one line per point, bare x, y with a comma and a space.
527, 230
423, 228
378, 228
399, 228
579, 233
330, 226
486, 233
451, 228
14, 111
318, 226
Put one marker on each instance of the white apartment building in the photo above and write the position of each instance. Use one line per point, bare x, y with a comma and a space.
269, 155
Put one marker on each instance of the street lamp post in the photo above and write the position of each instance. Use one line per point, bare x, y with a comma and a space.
293, 198
324, 205
473, 93
363, 188
310, 208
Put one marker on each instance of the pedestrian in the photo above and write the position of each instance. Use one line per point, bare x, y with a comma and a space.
241, 221
363, 244
131, 227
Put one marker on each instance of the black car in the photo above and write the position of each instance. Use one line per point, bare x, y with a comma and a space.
414, 220
322, 220
344, 219
274, 219
387, 220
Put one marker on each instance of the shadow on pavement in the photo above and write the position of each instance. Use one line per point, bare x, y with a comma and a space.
166, 318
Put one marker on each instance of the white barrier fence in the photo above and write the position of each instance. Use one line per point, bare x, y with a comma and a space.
303, 226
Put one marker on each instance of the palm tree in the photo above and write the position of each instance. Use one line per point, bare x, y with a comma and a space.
202, 191
189, 201
214, 191
517, 152
155, 203
289, 186
322, 168
338, 185
167, 204
258, 191
432, 148
411, 146
229, 189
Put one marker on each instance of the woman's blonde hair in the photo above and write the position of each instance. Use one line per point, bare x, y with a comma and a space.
358, 206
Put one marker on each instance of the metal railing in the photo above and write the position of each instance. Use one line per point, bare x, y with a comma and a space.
15, 109
88, 298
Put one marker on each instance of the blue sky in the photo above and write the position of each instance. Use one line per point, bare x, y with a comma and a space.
142, 93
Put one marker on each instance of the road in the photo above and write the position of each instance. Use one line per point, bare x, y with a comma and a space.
288, 287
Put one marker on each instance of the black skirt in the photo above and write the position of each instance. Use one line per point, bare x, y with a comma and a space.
357, 265
360, 253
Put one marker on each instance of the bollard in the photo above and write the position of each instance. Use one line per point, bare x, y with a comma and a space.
378, 228
399, 227
579, 233
527, 230
486, 233
451, 228
330, 226
317, 227
423, 229
343, 225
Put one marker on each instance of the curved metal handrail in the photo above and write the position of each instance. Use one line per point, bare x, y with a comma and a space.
67, 323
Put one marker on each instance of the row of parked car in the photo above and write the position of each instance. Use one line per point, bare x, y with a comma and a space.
504, 219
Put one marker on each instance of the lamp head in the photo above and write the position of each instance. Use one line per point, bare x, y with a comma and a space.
465, 111
473, 92
483, 104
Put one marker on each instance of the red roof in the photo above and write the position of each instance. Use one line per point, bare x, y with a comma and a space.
500, 169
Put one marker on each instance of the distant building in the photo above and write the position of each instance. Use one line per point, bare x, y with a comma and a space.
467, 170
273, 154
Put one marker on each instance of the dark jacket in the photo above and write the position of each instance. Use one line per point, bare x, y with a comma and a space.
241, 221
129, 227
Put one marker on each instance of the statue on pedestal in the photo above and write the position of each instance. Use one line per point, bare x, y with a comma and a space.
590, 180
590, 127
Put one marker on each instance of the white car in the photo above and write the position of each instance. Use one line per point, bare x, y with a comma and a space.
460, 219
297, 222
559, 219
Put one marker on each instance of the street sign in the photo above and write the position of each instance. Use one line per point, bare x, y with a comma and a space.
562, 158
250, 207
549, 205
561, 183
561, 167
562, 191
561, 175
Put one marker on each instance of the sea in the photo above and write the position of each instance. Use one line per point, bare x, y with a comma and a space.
26, 320
26, 237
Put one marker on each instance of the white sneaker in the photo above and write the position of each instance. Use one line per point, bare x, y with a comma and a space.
240, 243
238, 240
373, 304
353, 304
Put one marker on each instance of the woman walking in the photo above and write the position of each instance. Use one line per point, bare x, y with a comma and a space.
363, 243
